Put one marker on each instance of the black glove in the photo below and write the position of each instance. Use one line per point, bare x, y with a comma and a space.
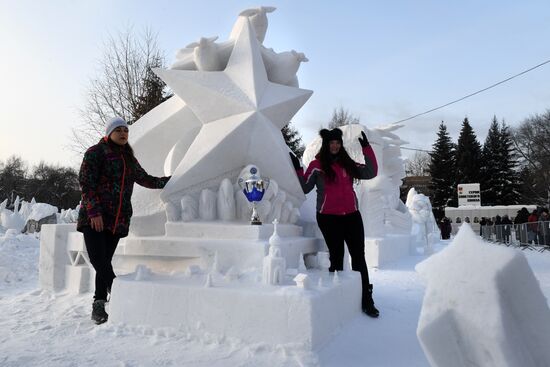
295, 161
363, 140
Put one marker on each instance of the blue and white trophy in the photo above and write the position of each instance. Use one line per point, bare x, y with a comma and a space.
254, 188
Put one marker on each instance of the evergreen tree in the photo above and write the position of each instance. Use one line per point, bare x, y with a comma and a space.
152, 95
499, 176
511, 184
468, 155
442, 163
293, 139
491, 177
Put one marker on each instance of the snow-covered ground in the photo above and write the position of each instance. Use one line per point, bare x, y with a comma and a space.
39, 328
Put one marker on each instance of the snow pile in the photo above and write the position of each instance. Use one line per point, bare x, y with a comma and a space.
41, 210
483, 307
18, 259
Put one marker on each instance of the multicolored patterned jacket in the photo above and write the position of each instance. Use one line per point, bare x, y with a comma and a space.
107, 177
336, 197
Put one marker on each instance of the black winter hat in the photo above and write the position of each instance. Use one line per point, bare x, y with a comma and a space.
328, 135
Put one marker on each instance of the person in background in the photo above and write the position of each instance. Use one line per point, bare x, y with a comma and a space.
506, 224
482, 223
498, 228
338, 217
445, 228
532, 227
519, 224
107, 175
544, 228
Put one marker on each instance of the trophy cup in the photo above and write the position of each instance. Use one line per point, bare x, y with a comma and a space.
254, 188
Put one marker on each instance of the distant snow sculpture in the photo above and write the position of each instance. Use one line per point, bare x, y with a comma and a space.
425, 231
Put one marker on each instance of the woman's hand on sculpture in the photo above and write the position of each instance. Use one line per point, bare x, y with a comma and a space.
295, 161
97, 223
363, 140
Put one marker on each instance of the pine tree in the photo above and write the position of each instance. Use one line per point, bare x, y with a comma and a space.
491, 177
442, 171
153, 93
468, 155
293, 139
511, 185
499, 177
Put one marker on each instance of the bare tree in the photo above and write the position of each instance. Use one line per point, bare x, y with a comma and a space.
125, 85
418, 165
531, 140
13, 176
341, 117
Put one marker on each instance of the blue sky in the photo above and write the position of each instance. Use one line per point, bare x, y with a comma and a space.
381, 60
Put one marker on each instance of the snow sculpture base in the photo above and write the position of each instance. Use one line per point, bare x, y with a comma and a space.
238, 245
239, 309
483, 307
383, 250
64, 262
53, 255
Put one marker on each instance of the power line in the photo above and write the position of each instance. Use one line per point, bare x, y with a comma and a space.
418, 150
473, 94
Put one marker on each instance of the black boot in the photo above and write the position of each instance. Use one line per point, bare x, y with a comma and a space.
98, 311
367, 304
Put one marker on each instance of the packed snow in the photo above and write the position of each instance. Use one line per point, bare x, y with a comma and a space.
41, 328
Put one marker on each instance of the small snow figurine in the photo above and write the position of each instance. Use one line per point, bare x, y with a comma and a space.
274, 267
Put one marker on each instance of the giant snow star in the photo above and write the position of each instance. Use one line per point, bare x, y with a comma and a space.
242, 114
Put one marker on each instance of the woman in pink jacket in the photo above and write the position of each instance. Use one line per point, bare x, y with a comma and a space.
333, 172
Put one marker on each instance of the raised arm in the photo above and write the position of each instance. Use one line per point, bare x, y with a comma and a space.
370, 168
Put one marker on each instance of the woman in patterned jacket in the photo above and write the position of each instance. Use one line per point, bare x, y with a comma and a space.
107, 175
338, 217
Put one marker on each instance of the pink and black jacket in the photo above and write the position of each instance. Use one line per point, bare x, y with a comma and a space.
337, 197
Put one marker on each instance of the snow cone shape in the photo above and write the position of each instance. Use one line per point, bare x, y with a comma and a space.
483, 307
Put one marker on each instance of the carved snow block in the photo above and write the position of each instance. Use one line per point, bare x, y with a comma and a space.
483, 307
53, 255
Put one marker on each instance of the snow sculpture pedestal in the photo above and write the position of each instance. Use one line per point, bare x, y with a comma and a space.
483, 307
240, 309
53, 255
238, 245
383, 250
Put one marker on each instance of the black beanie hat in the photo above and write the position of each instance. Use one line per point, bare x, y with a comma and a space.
328, 135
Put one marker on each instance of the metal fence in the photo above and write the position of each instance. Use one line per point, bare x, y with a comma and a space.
527, 236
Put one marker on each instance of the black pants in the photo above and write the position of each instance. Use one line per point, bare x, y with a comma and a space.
336, 230
101, 247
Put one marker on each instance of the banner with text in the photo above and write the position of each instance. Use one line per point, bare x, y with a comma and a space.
469, 194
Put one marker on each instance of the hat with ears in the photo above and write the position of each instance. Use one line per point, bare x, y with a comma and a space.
113, 124
328, 135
